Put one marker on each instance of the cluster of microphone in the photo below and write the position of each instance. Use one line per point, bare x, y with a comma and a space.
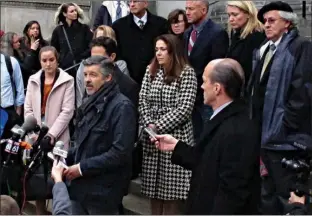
18, 145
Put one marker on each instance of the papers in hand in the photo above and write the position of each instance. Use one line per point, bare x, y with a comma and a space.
62, 161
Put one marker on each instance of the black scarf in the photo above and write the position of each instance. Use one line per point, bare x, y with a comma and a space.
108, 90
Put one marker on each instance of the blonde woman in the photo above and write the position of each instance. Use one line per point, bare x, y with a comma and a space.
69, 18
246, 33
104, 31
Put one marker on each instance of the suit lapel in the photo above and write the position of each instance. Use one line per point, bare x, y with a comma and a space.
187, 35
203, 35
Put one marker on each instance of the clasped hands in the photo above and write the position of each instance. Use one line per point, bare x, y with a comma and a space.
58, 171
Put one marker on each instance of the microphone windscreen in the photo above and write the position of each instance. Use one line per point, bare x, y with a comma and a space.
59, 144
29, 124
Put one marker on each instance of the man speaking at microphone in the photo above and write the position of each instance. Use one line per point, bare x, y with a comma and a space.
225, 161
100, 163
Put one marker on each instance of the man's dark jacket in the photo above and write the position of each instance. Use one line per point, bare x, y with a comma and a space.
225, 165
127, 86
102, 17
281, 101
104, 140
212, 43
136, 46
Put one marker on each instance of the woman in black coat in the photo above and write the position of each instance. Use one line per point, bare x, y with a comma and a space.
76, 48
31, 43
246, 33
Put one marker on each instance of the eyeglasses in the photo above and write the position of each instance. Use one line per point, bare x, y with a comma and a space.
270, 20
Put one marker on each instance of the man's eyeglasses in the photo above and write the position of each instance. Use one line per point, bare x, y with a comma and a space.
270, 20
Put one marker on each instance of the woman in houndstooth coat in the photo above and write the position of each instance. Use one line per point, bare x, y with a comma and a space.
166, 102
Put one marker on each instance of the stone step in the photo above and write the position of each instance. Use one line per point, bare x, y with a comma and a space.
136, 205
133, 205
135, 187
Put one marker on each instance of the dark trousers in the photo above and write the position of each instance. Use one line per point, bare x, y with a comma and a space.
276, 187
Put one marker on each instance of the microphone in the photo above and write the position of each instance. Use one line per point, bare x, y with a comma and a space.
59, 151
12, 146
18, 132
43, 131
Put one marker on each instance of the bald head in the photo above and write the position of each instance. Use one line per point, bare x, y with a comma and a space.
196, 11
228, 73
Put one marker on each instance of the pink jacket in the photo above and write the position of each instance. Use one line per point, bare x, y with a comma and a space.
59, 107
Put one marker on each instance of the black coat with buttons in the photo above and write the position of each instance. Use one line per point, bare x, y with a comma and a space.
136, 46
79, 36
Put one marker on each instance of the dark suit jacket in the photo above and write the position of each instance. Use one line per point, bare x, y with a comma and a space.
127, 86
102, 17
225, 165
136, 46
212, 43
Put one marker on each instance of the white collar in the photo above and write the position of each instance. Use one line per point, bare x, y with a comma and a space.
276, 43
220, 108
144, 19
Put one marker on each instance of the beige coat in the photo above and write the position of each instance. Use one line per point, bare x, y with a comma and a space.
59, 107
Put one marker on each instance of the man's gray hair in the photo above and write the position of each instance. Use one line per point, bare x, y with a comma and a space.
107, 66
206, 2
230, 74
289, 16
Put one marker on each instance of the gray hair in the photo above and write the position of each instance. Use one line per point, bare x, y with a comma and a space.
107, 67
230, 74
7, 43
289, 16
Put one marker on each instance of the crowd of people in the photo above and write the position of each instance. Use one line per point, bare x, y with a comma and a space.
221, 102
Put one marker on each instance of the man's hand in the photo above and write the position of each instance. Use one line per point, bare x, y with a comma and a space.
57, 172
296, 199
72, 172
165, 142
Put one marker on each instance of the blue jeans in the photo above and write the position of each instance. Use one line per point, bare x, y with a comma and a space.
201, 113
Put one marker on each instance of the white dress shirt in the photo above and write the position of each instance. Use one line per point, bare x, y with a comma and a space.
264, 47
112, 8
219, 109
137, 19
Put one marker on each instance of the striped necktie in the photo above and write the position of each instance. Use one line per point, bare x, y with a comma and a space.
192, 41
118, 10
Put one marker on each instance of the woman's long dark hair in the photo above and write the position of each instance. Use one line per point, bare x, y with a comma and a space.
60, 18
27, 37
177, 57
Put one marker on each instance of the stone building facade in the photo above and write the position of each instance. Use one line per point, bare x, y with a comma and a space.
16, 13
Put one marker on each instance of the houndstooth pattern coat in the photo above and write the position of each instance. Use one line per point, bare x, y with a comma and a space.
169, 107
